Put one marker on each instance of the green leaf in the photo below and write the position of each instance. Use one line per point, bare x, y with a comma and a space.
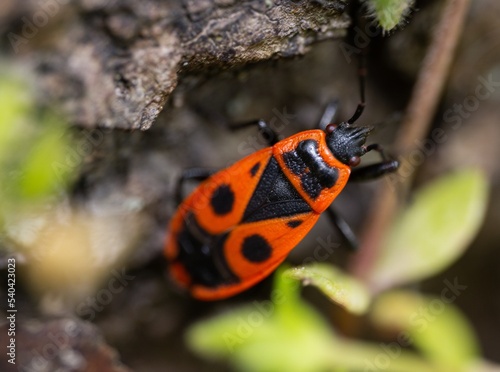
282, 333
341, 288
285, 334
389, 13
432, 324
39, 178
433, 231
15, 102
33, 148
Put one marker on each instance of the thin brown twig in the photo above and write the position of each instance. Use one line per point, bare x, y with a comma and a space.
418, 118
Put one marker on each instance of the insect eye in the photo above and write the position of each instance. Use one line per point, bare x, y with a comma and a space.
330, 128
354, 161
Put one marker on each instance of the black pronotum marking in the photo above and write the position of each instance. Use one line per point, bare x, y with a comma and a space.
254, 169
256, 249
274, 196
222, 200
306, 162
202, 255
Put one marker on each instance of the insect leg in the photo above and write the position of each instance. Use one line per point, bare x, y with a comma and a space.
344, 228
372, 171
197, 174
269, 135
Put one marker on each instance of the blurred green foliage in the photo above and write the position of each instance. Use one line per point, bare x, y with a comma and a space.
431, 233
37, 159
33, 143
438, 330
260, 336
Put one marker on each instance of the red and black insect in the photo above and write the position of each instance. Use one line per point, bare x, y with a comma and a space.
240, 223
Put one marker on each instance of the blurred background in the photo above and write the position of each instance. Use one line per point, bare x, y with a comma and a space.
85, 212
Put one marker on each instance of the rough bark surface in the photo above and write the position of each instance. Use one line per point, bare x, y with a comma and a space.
118, 61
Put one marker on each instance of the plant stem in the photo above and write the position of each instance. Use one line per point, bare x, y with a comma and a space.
418, 118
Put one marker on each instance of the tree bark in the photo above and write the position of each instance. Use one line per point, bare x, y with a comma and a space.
114, 63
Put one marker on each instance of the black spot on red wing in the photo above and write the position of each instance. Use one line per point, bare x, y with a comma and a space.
222, 200
254, 169
294, 223
256, 249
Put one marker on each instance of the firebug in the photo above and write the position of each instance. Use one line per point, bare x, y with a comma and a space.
241, 222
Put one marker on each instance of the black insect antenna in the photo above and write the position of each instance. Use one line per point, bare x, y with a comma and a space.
362, 83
